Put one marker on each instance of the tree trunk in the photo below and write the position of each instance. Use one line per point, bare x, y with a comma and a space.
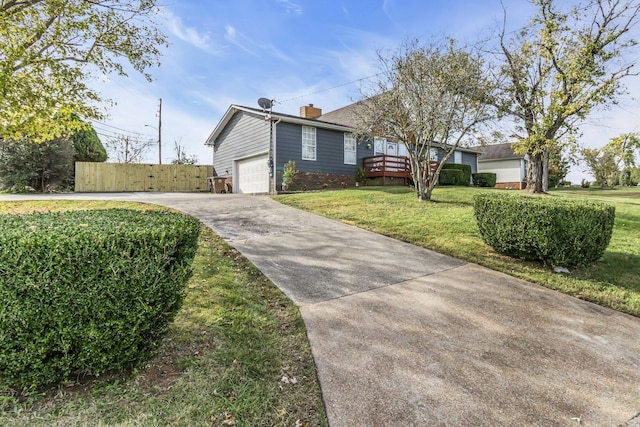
535, 173
545, 171
420, 178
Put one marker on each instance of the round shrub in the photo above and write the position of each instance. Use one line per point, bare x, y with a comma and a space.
557, 231
466, 172
484, 179
86, 292
450, 177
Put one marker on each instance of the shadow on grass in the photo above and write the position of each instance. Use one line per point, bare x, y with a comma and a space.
626, 267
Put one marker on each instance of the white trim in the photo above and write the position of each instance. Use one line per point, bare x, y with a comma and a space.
309, 141
353, 154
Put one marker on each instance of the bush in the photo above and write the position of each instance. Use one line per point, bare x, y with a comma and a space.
466, 172
87, 292
289, 174
560, 232
450, 177
484, 179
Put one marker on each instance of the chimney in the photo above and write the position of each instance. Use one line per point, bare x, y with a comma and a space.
310, 112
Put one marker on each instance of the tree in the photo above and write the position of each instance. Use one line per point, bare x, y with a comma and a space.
181, 156
558, 69
127, 149
37, 165
50, 48
88, 147
602, 164
428, 98
558, 167
605, 164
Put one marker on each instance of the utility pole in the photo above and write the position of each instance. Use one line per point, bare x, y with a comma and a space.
160, 133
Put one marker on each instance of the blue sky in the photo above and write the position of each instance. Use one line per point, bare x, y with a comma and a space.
297, 52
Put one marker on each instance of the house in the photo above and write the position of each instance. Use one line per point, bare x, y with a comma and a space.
252, 145
510, 168
390, 149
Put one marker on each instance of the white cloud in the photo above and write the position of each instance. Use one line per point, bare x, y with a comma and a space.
188, 34
290, 7
238, 39
235, 37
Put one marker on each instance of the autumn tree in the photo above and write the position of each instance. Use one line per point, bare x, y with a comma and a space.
49, 49
428, 98
558, 69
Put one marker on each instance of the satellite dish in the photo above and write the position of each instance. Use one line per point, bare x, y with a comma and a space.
265, 103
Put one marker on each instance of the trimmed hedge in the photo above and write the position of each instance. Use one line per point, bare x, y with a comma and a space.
556, 231
466, 172
450, 177
88, 291
484, 179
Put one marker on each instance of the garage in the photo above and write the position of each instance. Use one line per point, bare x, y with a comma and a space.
253, 175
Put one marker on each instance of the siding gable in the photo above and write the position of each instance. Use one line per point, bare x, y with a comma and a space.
244, 136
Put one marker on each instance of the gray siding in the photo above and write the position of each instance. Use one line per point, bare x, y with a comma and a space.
329, 150
244, 136
467, 159
470, 159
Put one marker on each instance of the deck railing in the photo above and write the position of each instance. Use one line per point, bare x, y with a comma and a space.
386, 165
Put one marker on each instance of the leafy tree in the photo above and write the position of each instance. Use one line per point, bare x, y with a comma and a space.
558, 167
126, 149
605, 164
50, 48
181, 156
559, 68
37, 165
428, 98
602, 164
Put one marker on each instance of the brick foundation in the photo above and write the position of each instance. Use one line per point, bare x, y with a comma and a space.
511, 185
317, 181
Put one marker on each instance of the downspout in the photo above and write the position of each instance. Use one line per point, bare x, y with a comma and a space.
272, 158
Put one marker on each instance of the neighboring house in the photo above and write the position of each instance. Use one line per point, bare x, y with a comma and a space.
252, 145
510, 168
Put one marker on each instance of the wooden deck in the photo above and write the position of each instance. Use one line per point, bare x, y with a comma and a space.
388, 166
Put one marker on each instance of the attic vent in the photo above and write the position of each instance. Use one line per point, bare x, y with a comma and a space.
310, 112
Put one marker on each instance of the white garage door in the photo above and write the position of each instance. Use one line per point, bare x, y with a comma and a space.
253, 175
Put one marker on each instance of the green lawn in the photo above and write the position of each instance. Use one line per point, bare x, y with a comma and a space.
237, 352
447, 225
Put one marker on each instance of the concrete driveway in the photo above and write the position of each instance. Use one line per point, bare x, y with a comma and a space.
403, 336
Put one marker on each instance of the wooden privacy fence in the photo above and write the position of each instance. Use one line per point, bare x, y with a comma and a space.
92, 177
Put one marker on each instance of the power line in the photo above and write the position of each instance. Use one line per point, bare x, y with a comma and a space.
329, 88
114, 127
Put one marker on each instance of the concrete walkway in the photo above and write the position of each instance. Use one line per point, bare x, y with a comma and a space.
403, 336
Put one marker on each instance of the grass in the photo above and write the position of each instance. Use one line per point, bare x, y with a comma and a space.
236, 354
447, 225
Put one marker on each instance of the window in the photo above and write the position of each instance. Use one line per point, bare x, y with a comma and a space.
380, 145
308, 143
457, 157
349, 149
